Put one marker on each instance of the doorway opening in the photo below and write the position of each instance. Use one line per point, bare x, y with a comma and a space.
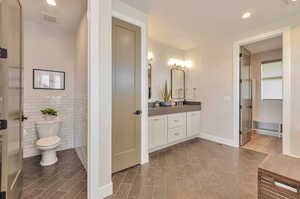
261, 96
284, 33
55, 60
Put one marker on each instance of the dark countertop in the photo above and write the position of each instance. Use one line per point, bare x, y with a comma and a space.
173, 109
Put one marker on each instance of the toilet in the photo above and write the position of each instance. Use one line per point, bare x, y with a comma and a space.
49, 140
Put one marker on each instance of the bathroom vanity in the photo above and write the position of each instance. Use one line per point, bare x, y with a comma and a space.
172, 125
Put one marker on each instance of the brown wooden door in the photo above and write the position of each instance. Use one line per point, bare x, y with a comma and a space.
10, 99
126, 130
245, 97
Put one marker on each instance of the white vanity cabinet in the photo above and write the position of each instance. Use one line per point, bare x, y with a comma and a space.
193, 123
176, 127
158, 131
166, 130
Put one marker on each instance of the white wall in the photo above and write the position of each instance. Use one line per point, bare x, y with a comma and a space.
48, 47
264, 110
81, 91
161, 71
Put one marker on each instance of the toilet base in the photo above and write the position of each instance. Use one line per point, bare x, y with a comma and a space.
48, 158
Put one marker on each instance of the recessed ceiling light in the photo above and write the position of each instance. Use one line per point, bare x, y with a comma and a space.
246, 15
51, 2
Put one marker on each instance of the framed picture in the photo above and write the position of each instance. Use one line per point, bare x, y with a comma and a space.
48, 79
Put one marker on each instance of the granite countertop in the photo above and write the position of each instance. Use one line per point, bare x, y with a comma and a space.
154, 111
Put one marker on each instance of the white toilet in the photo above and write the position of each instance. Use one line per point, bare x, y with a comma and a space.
48, 140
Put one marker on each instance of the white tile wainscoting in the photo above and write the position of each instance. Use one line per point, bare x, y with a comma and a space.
80, 128
71, 120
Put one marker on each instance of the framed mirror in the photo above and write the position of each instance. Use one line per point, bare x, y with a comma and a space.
48, 79
149, 81
178, 83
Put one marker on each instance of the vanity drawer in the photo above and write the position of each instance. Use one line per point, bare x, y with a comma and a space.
177, 121
176, 134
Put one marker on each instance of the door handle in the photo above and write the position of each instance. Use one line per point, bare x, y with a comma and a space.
137, 112
22, 118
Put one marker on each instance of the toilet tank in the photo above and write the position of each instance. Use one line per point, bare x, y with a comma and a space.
48, 128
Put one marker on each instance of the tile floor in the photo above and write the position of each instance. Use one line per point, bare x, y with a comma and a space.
64, 180
264, 144
196, 169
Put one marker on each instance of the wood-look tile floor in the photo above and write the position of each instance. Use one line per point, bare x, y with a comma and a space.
64, 180
196, 169
264, 144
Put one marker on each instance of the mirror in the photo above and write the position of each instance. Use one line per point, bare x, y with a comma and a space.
178, 83
149, 80
48, 79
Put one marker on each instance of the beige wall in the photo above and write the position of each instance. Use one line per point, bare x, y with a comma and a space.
295, 141
264, 110
161, 71
211, 74
47, 46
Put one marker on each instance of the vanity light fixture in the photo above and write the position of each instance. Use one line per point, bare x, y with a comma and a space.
150, 56
246, 15
179, 63
188, 64
51, 2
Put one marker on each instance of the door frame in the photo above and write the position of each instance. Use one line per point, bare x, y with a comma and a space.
285, 33
99, 98
144, 79
100, 95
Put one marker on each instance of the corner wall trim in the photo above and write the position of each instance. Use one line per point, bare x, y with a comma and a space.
105, 190
216, 139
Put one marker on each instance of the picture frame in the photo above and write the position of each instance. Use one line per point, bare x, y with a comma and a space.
49, 79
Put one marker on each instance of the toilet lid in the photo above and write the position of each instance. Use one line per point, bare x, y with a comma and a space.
44, 142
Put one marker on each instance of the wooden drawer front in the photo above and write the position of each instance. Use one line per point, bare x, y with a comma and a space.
271, 186
177, 121
176, 134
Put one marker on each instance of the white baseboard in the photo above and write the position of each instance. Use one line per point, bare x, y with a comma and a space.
81, 157
266, 132
292, 155
219, 140
105, 191
171, 144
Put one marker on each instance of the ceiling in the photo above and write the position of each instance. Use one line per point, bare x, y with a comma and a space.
67, 12
186, 23
265, 45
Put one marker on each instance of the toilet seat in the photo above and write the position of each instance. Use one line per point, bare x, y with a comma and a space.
48, 142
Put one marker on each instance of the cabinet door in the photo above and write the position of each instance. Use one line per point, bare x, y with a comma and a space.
193, 123
157, 131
